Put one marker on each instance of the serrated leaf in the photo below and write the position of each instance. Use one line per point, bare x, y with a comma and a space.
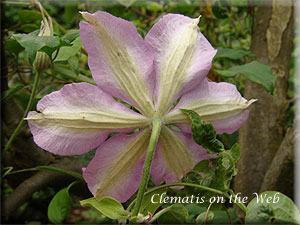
225, 170
208, 220
108, 206
272, 207
232, 53
235, 152
216, 172
176, 215
59, 206
254, 71
204, 133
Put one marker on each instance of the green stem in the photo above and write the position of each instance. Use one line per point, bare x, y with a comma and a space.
157, 215
156, 125
239, 204
28, 108
20, 171
46, 168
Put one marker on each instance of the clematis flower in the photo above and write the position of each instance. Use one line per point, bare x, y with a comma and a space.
150, 74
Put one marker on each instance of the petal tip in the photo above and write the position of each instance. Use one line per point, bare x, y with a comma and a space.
88, 16
250, 102
197, 20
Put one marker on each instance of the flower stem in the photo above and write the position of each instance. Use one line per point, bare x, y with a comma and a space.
28, 108
239, 204
161, 212
156, 125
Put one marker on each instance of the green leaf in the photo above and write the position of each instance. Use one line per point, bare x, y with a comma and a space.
235, 152
209, 219
148, 206
71, 35
108, 206
33, 43
216, 173
232, 53
204, 133
176, 215
26, 16
50, 50
59, 206
272, 207
254, 71
225, 168
13, 46
67, 52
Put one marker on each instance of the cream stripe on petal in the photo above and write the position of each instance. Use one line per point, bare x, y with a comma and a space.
175, 66
105, 120
117, 166
78, 118
175, 153
121, 62
210, 110
124, 162
182, 58
212, 101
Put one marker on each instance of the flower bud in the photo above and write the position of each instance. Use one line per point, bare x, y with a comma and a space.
42, 60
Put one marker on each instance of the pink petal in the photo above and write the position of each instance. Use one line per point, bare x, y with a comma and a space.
78, 118
219, 103
120, 60
176, 154
183, 57
117, 167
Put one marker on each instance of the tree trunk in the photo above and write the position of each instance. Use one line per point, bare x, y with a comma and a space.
261, 137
